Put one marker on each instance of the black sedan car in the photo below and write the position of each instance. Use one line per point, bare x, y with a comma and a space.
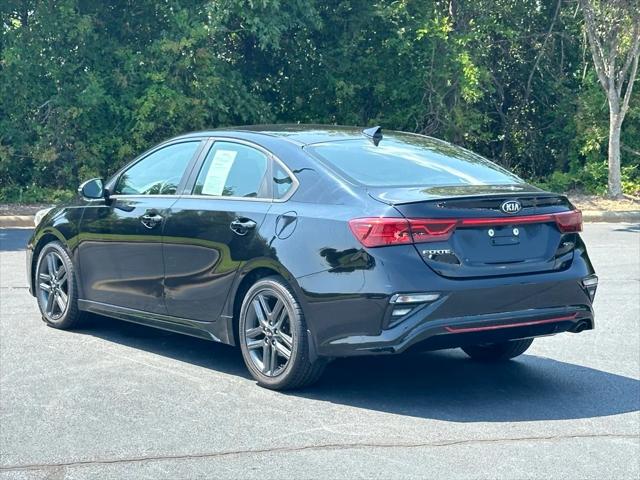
301, 244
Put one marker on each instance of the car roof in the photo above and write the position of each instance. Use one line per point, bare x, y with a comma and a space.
294, 133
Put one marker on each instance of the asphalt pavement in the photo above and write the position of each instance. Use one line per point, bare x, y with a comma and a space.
117, 400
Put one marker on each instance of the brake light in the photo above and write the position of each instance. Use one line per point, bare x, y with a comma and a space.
569, 222
379, 232
434, 230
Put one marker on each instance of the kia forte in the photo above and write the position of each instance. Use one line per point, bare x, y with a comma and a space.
302, 244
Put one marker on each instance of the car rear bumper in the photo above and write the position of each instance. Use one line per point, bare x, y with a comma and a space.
352, 313
419, 331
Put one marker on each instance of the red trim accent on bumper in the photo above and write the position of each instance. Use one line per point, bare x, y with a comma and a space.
508, 325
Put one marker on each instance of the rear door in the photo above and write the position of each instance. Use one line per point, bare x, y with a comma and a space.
215, 229
120, 249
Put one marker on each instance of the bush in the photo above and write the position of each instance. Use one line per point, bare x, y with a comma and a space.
592, 178
559, 182
35, 194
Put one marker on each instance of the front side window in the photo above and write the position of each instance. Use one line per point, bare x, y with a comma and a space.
158, 173
233, 170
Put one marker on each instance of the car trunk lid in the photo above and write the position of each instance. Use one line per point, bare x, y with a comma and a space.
492, 232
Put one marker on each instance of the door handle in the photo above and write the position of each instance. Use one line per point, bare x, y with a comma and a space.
151, 219
242, 226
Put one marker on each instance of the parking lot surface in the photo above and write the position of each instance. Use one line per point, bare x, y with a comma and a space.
117, 400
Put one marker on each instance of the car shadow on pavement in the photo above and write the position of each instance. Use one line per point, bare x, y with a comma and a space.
447, 385
14, 239
443, 385
184, 348
634, 228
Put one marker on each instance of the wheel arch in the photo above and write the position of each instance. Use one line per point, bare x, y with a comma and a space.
45, 237
247, 277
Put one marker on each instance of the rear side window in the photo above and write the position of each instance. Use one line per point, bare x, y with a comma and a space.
158, 173
233, 170
282, 181
410, 161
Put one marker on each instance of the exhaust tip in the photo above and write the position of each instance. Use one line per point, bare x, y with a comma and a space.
580, 326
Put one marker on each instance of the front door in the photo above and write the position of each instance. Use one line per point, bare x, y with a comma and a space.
120, 249
211, 232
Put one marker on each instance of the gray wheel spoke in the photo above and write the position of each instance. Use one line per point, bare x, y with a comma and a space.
44, 277
60, 272
45, 286
62, 279
62, 304
51, 264
275, 313
257, 306
280, 319
62, 298
255, 344
50, 302
286, 340
273, 360
266, 355
264, 307
282, 350
254, 332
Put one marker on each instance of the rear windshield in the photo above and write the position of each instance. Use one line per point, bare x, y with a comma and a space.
410, 161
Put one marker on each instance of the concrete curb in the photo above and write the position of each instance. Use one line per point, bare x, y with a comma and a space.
611, 217
22, 221
16, 221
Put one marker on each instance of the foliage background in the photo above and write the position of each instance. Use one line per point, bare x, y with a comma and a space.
86, 85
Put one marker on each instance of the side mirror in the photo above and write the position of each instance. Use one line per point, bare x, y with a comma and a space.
92, 189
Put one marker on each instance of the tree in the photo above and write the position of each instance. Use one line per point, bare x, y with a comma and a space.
613, 29
86, 85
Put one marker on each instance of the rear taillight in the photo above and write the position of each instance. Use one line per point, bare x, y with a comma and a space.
432, 230
569, 222
379, 232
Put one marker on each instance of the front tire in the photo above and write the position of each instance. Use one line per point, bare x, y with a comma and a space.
273, 337
496, 352
56, 288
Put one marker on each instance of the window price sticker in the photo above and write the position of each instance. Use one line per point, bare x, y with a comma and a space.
218, 172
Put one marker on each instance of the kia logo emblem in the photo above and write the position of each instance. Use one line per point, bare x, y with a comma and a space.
511, 206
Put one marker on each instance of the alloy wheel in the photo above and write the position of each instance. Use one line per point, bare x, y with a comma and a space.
267, 334
53, 285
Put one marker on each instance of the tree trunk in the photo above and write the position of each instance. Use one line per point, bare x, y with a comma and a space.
615, 125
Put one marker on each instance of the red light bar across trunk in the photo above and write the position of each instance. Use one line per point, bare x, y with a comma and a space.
383, 231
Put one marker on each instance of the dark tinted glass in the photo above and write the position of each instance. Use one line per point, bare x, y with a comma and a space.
159, 173
233, 170
411, 161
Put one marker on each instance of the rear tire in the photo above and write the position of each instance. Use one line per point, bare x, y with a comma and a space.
56, 288
497, 352
273, 337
